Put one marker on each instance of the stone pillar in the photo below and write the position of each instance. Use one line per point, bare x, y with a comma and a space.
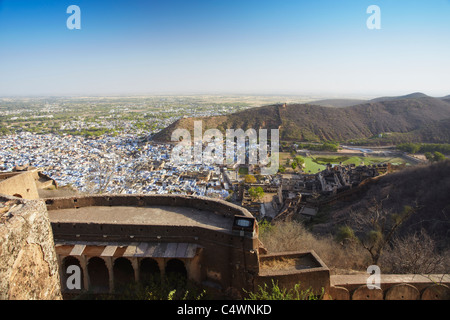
135, 264
162, 267
83, 264
187, 265
109, 264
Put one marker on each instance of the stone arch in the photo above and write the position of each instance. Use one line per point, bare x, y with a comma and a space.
66, 263
98, 275
149, 270
175, 271
123, 273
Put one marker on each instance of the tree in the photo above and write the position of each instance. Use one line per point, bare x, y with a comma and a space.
256, 193
377, 227
294, 165
434, 157
409, 147
429, 156
330, 147
414, 254
250, 179
345, 233
438, 156
300, 161
101, 175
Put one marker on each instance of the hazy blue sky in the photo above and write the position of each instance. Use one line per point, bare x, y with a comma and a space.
224, 46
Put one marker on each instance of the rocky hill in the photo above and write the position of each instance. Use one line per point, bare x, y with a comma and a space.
417, 117
415, 95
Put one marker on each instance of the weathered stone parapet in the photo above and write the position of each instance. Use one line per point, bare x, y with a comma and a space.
288, 269
28, 262
202, 203
392, 287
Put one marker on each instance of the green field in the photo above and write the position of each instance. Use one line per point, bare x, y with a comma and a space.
315, 164
313, 167
357, 160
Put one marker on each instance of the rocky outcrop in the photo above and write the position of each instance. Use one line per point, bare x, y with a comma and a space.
28, 262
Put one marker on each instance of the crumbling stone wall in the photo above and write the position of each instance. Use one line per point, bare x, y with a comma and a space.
28, 263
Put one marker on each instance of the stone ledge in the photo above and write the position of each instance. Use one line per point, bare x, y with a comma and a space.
392, 287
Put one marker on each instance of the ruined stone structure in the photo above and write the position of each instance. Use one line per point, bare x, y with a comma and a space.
19, 184
24, 184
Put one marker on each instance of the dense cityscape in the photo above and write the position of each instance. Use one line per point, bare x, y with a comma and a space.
121, 164
224, 150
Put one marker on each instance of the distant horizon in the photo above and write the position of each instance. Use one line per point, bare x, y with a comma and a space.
228, 94
320, 48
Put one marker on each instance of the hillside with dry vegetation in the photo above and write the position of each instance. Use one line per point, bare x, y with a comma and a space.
426, 188
419, 119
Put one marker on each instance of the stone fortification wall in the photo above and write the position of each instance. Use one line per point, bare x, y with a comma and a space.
392, 287
305, 269
219, 206
28, 263
228, 258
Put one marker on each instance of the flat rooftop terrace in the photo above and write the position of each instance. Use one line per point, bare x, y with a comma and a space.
148, 215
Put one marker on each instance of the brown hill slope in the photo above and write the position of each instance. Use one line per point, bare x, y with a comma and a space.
436, 132
257, 118
304, 122
428, 185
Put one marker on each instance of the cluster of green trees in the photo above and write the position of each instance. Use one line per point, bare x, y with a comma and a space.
298, 162
424, 147
434, 157
256, 193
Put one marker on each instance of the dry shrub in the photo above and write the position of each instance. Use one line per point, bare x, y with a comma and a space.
415, 254
293, 236
279, 264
